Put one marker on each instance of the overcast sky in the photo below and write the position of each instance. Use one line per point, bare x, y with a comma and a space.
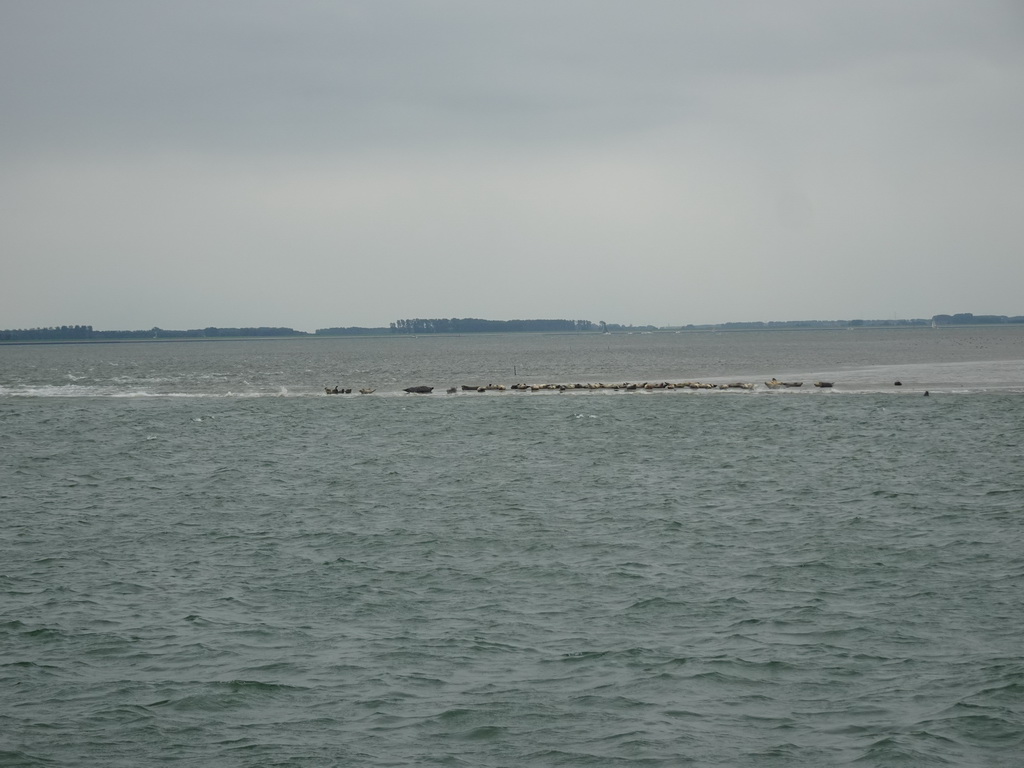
315, 164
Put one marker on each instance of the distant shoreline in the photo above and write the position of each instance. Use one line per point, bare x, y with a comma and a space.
79, 334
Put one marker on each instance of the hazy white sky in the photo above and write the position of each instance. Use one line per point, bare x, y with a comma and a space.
323, 163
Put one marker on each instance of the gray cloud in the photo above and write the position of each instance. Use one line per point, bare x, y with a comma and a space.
314, 164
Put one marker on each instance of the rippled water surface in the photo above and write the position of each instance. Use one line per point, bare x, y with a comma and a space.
204, 559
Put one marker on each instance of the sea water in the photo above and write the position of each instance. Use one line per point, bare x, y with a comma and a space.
204, 559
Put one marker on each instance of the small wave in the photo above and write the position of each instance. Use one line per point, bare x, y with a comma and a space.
900, 750
26, 759
484, 733
657, 603
225, 695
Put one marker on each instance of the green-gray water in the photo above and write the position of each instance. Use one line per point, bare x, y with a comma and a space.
206, 560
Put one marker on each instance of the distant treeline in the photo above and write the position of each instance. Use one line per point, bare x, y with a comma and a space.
475, 325
87, 333
966, 318
354, 330
773, 325
446, 325
963, 318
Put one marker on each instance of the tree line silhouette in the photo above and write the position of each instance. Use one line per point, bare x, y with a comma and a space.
455, 325
87, 333
477, 325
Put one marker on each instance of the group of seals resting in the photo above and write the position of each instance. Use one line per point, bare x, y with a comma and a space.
627, 386
425, 390
563, 387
